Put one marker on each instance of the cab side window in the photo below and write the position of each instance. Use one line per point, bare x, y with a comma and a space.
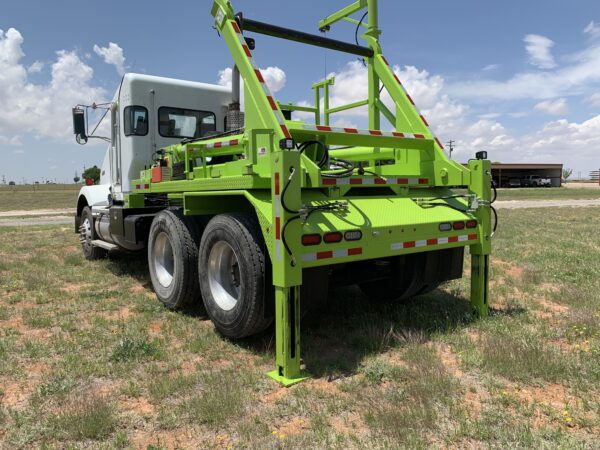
185, 123
136, 121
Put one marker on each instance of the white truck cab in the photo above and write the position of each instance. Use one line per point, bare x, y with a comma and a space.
148, 113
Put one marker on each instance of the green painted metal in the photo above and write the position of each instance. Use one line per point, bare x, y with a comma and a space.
416, 171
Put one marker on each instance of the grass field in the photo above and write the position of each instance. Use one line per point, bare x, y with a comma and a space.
42, 196
89, 359
548, 193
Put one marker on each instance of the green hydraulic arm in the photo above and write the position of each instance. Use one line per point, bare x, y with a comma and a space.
292, 170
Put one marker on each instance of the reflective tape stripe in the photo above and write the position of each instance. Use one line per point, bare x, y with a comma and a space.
261, 80
223, 144
332, 254
433, 241
411, 101
364, 132
277, 201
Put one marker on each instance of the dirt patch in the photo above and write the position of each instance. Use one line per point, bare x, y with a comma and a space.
139, 406
180, 438
121, 314
551, 309
473, 402
550, 287
73, 288
348, 423
141, 289
16, 393
155, 327
449, 360
274, 397
292, 427
326, 387
553, 394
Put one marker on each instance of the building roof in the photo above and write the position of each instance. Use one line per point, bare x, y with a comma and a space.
525, 166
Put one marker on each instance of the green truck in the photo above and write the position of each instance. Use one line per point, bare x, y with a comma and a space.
256, 214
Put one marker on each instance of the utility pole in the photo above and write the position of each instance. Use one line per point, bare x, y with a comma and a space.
450, 147
3, 179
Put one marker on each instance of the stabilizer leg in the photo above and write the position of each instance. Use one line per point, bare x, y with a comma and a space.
287, 336
479, 284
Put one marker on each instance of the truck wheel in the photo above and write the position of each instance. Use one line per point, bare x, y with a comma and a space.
87, 235
172, 258
232, 265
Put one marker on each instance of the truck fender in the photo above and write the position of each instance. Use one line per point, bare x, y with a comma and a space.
91, 196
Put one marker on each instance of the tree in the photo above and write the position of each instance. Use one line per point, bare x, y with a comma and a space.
76, 178
567, 173
93, 173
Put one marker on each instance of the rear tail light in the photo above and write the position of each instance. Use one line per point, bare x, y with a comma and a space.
353, 235
471, 223
333, 237
445, 226
458, 225
311, 239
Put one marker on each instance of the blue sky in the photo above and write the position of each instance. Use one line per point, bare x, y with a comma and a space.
516, 78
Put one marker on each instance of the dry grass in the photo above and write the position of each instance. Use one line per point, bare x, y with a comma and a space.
89, 359
36, 197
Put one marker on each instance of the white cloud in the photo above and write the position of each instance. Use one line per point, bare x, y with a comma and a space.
554, 107
580, 75
274, 77
36, 67
41, 109
113, 54
491, 67
594, 99
593, 29
538, 47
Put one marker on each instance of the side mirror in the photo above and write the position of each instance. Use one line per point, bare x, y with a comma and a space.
79, 125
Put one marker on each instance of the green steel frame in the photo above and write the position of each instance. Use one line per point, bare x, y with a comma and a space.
393, 223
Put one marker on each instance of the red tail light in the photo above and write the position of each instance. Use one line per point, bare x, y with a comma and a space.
471, 223
311, 239
333, 237
458, 225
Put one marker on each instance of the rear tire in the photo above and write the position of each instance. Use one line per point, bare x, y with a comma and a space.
406, 282
172, 258
233, 268
87, 235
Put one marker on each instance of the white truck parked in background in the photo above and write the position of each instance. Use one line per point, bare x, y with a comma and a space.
535, 181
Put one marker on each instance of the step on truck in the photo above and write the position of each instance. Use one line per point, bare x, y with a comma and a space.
256, 215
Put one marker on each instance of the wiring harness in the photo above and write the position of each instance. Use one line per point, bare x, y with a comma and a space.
473, 203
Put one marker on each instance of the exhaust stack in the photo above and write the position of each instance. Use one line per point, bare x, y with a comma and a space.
235, 117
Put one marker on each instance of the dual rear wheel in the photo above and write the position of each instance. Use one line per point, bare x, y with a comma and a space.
222, 263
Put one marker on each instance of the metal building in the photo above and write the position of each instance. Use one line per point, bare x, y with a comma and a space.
506, 175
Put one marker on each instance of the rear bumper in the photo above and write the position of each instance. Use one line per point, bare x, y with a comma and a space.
390, 226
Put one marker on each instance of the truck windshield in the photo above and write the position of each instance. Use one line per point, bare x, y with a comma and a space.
185, 123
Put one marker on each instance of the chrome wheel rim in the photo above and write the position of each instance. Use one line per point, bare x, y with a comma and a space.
164, 261
85, 233
224, 276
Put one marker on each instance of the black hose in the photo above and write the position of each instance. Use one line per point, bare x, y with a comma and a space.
495, 192
358, 27
495, 219
284, 240
287, 184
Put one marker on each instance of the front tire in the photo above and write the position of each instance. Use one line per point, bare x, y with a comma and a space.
233, 266
87, 235
172, 258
